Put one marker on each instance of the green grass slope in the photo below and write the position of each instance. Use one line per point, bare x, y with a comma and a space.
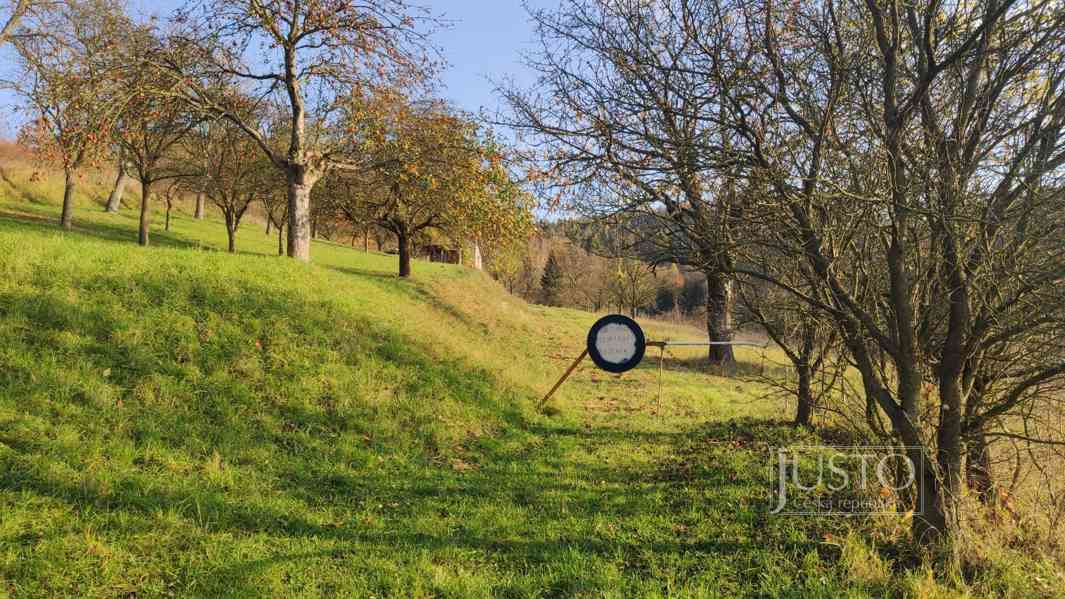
179, 422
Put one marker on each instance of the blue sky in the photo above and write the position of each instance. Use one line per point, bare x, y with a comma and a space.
483, 43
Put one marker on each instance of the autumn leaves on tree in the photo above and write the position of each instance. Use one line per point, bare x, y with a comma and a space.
69, 74
188, 109
429, 168
312, 56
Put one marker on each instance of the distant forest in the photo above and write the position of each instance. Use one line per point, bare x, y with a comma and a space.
598, 266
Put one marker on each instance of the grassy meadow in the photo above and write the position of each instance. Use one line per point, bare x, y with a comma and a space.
176, 421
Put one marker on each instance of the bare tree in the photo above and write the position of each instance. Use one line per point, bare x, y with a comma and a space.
171, 191
806, 337
153, 124
275, 201
917, 178
621, 115
235, 174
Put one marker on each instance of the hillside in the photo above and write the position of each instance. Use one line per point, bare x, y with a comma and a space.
177, 421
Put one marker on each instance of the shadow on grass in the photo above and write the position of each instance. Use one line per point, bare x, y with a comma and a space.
743, 368
400, 500
606, 435
523, 467
109, 232
415, 290
387, 277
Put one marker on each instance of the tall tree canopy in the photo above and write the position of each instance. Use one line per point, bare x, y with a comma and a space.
69, 70
232, 172
308, 57
431, 168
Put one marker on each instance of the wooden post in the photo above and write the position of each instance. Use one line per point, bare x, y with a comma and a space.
661, 360
565, 376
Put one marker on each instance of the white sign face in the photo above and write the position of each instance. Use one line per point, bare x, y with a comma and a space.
616, 343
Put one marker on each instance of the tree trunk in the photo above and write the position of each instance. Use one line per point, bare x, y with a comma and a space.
804, 368
281, 239
931, 520
269, 224
299, 212
978, 471
719, 302
169, 205
114, 201
66, 219
949, 448
231, 232
403, 239
142, 233
199, 205
804, 392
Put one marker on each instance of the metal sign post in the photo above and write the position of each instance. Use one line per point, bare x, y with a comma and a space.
617, 344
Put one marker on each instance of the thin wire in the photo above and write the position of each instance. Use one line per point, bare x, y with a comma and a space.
702, 343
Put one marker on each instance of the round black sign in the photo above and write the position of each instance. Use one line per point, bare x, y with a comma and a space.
616, 343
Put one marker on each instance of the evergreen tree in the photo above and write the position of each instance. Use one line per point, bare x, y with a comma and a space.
665, 299
551, 281
692, 295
